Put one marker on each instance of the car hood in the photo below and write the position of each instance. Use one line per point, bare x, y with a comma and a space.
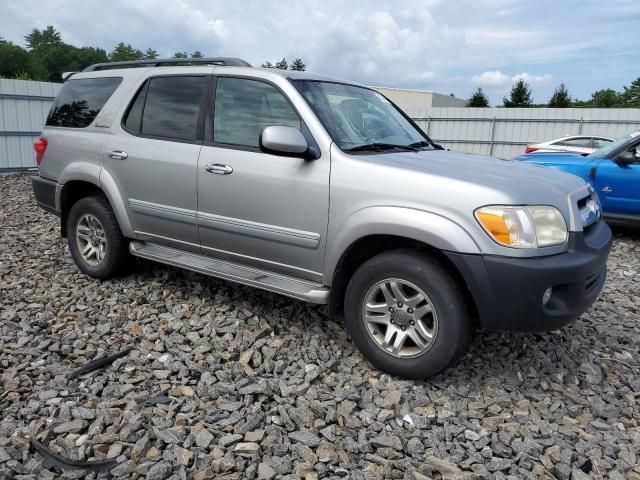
522, 181
555, 158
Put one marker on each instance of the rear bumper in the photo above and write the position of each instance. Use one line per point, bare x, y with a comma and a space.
508, 291
45, 193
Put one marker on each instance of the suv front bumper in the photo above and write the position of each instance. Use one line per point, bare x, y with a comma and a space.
508, 291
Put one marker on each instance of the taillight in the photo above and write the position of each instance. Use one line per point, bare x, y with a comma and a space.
40, 146
530, 149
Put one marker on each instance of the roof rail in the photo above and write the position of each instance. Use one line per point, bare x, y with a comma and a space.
160, 62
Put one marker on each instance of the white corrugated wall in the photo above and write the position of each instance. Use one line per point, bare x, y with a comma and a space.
504, 132
23, 109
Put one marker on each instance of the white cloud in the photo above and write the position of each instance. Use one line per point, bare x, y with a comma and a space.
491, 79
498, 79
424, 44
527, 77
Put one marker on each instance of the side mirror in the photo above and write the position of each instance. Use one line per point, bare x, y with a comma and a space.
284, 140
625, 158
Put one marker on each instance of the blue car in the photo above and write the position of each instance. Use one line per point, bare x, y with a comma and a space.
613, 171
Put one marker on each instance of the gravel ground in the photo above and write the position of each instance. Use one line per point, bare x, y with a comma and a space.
229, 382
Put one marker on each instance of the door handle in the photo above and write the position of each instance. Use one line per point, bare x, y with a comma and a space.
118, 155
218, 168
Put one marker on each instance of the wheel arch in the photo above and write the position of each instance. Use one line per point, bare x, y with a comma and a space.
369, 246
74, 189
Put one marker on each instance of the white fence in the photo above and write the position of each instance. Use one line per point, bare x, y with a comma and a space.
504, 132
23, 109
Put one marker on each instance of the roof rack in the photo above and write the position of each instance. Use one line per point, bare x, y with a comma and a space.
167, 62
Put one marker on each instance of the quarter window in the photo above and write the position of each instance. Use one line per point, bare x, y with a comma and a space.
577, 142
80, 101
243, 108
171, 107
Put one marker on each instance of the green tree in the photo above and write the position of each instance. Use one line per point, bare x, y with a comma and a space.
197, 54
125, 52
605, 98
38, 40
298, 65
560, 97
520, 95
150, 54
631, 95
282, 64
180, 55
267, 64
478, 99
15, 60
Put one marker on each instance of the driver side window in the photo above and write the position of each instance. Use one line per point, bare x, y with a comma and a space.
243, 108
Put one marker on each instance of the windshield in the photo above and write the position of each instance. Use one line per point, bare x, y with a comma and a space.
359, 119
613, 146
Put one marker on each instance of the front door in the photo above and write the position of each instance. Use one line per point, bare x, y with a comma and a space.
154, 157
618, 186
257, 208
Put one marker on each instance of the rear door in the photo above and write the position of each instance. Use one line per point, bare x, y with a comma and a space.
154, 158
619, 186
259, 208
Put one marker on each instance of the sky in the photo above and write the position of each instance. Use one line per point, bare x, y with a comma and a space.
447, 46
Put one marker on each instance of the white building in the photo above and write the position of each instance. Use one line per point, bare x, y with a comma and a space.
414, 101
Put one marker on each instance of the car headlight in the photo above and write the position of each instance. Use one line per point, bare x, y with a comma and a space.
523, 227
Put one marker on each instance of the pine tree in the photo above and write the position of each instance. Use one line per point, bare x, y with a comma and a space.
520, 95
631, 95
197, 54
124, 51
267, 64
478, 99
180, 55
298, 65
560, 98
150, 54
282, 64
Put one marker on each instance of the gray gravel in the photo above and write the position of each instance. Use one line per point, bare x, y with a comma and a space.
229, 382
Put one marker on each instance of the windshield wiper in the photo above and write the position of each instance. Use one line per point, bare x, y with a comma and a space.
381, 147
420, 144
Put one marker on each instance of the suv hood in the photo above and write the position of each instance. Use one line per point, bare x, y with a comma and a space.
523, 182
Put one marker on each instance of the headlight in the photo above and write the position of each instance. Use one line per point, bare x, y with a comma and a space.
523, 227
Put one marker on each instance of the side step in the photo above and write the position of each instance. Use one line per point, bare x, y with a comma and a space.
274, 282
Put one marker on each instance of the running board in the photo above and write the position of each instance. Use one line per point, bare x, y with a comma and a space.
274, 282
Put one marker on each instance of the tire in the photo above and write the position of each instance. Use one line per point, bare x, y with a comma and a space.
81, 224
414, 274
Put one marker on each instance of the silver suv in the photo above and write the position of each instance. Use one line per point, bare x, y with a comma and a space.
322, 190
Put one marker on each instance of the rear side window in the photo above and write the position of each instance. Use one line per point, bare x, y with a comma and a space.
167, 107
243, 108
80, 101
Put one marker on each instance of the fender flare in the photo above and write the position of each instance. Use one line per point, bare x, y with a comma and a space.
426, 227
96, 175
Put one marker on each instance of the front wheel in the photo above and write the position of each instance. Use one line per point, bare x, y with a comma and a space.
406, 314
95, 240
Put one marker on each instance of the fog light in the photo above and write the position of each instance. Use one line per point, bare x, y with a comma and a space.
546, 296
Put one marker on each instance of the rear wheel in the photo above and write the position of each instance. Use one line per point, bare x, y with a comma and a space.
406, 314
95, 240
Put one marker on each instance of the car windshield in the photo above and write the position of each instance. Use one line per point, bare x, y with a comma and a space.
360, 119
613, 146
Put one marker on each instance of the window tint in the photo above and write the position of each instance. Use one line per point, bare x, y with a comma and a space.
600, 142
133, 119
577, 142
80, 101
243, 108
171, 107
